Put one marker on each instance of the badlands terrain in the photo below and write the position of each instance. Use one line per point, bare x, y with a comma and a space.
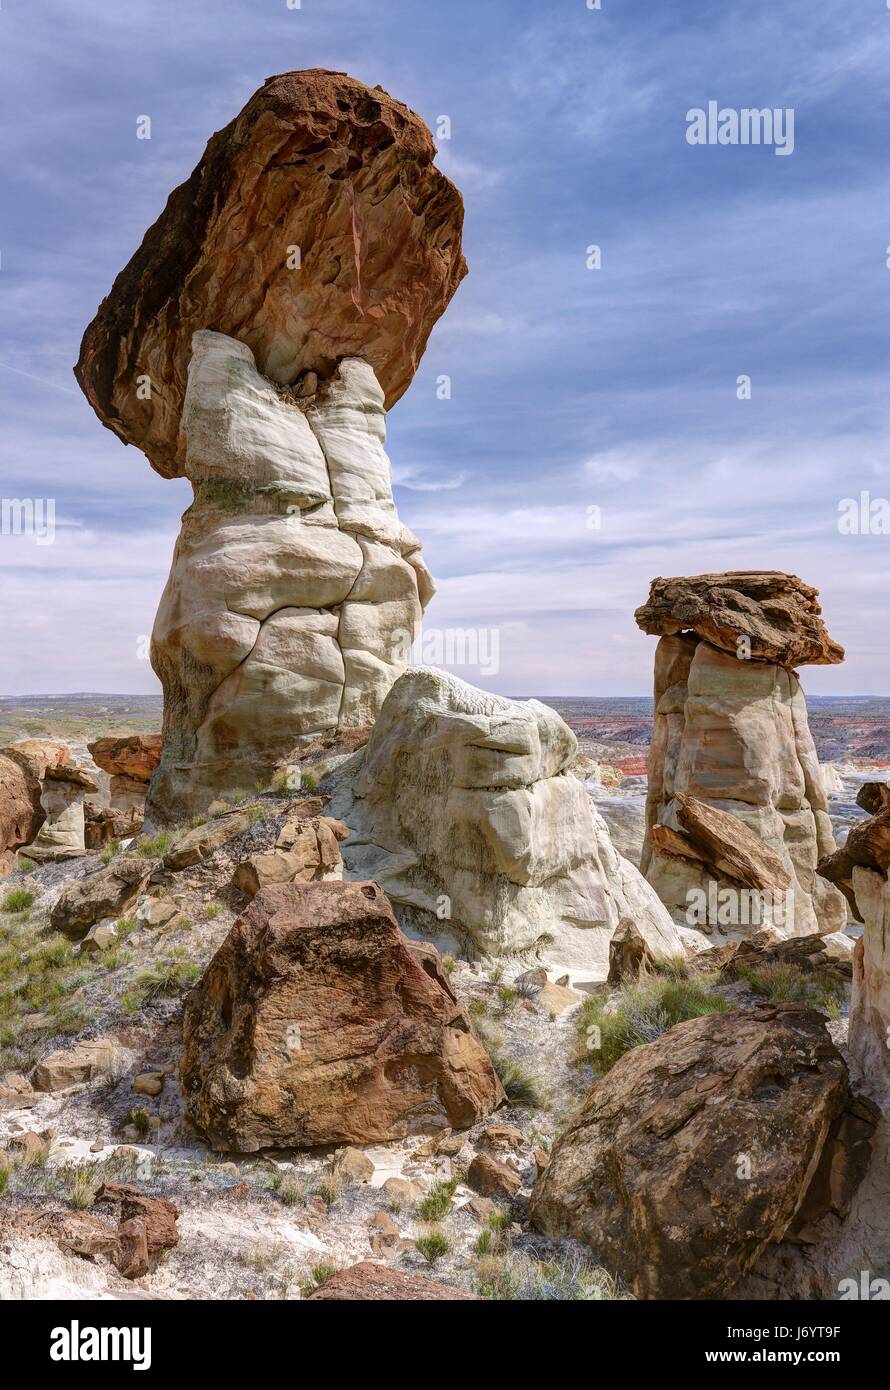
332, 977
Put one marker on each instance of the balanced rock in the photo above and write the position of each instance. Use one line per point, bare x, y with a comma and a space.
696, 1151
315, 227
63, 833
106, 893
869, 1039
127, 755
759, 615
43, 754
463, 809
321, 244
315, 1023
731, 736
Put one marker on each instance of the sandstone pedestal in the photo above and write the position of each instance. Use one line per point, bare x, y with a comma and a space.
731, 730
278, 306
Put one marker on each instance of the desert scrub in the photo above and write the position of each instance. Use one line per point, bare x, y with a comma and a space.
782, 982
81, 1184
153, 846
257, 813
567, 1279
170, 975
507, 998
140, 1119
329, 1187
433, 1245
437, 1202
109, 852
318, 1275
18, 900
212, 910
520, 1085
292, 1189
607, 1028
493, 1239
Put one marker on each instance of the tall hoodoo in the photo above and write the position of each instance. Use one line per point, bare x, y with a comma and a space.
731, 730
279, 305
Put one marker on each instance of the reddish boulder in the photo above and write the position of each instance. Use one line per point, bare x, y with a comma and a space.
127, 755
372, 1283
316, 165
315, 1023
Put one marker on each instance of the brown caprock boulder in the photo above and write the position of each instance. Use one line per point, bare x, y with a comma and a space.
693, 1153
767, 615
315, 227
316, 1023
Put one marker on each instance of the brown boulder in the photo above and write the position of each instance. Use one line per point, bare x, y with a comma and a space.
21, 814
315, 1023
106, 893
205, 840
127, 755
372, 1283
867, 846
723, 843
306, 850
315, 161
490, 1178
873, 797
777, 613
694, 1152
157, 1215
43, 754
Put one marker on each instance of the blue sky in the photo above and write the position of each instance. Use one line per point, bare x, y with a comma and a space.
572, 388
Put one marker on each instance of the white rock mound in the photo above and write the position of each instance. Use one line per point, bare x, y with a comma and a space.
463, 809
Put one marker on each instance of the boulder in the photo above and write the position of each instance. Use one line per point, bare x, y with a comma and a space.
695, 1152
105, 825
315, 1023
354, 244
306, 850
763, 615
43, 754
134, 756
867, 846
375, 1283
869, 1038
84, 1062
731, 739
873, 797
491, 1178
106, 893
157, 1215
21, 814
462, 808
204, 840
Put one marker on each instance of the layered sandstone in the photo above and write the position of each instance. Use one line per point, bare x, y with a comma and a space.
317, 1023
314, 227
463, 808
731, 731
295, 591
280, 303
